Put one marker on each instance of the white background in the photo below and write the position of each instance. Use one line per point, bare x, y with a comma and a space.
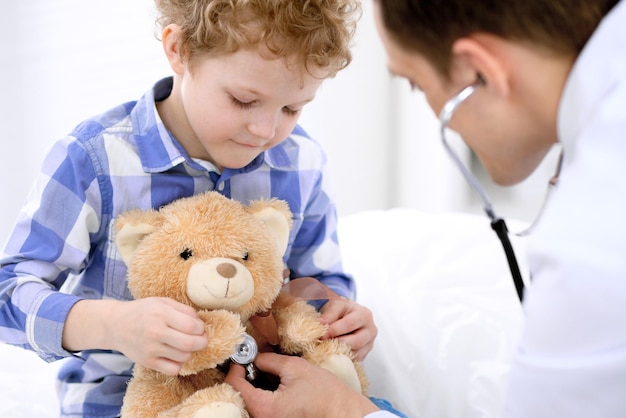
66, 60
62, 61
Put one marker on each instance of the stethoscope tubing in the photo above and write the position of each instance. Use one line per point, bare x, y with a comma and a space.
497, 224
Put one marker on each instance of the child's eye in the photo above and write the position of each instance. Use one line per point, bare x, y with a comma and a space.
239, 103
290, 112
247, 105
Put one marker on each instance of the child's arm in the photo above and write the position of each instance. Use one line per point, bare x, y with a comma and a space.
60, 232
158, 333
50, 242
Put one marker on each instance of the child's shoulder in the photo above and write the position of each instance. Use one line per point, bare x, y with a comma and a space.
299, 131
300, 138
114, 119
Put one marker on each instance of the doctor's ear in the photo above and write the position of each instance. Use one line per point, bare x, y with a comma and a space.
483, 55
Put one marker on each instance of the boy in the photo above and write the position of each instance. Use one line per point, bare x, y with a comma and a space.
226, 121
525, 75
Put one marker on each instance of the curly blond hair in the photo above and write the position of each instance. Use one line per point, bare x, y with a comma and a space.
318, 33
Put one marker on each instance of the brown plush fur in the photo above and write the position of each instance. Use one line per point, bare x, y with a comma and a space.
185, 248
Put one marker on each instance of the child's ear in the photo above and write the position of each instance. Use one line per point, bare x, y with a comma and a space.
170, 38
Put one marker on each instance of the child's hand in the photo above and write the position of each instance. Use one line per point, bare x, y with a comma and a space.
352, 323
159, 333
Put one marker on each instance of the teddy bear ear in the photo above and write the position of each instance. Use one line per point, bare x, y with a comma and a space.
132, 227
276, 220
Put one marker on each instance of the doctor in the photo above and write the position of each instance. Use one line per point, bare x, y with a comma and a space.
542, 73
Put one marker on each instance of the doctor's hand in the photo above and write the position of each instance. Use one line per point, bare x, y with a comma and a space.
305, 390
352, 323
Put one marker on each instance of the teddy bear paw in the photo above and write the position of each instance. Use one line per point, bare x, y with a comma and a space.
219, 410
343, 367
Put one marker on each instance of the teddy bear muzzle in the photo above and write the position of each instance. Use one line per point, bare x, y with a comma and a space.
219, 283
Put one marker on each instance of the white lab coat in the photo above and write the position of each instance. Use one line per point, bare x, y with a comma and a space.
572, 358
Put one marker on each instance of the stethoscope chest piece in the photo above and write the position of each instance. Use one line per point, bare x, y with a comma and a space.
244, 354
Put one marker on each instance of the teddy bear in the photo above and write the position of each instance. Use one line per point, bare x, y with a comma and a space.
224, 259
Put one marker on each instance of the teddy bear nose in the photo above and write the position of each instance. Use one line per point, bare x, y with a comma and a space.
227, 270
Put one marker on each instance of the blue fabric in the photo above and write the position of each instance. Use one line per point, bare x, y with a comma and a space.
387, 406
126, 159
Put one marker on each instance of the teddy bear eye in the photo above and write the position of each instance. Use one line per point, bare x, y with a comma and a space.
245, 256
186, 254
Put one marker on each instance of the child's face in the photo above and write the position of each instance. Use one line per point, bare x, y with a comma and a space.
228, 109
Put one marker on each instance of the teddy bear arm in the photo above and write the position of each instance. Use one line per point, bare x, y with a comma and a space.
225, 332
299, 327
301, 331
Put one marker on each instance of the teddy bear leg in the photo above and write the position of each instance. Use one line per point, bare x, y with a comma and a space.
337, 357
219, 401
219, 410
150, 392
343, 367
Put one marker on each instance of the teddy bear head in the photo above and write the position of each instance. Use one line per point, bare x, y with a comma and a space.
207, 251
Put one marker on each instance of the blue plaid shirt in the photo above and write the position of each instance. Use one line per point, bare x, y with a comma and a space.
61, 249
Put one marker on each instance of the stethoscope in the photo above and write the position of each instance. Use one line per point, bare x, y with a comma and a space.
497, 223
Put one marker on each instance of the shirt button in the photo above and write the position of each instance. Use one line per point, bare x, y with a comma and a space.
220, 187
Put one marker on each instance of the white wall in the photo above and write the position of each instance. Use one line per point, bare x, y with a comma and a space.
65, 60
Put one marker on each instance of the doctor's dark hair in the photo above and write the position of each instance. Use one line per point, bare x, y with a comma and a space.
318, 33
430, 27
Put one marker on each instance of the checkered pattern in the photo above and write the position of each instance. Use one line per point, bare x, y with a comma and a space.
120, 160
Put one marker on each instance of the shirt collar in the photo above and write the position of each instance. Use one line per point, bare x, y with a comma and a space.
596, 71
157, 148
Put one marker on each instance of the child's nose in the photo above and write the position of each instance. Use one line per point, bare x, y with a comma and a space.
263, 125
